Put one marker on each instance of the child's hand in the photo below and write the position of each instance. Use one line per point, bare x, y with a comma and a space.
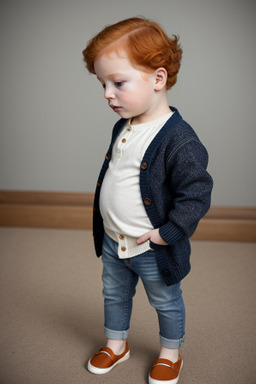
153, 236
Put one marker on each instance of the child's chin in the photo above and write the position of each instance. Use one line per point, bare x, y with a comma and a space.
124, 114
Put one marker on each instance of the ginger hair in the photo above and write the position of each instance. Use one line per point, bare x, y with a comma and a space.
144, 42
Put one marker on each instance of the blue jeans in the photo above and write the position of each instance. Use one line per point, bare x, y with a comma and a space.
120, 277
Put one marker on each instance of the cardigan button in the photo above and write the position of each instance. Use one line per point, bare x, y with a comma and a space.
98, 183
166, 272
107, 157
144, 166
147, 201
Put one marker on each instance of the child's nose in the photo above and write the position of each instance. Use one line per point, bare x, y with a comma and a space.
109, 94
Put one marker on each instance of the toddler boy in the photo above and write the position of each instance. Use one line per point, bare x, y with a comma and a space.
152, 190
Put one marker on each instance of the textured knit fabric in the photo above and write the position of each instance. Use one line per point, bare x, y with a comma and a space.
175, 189
127, 245
125, 218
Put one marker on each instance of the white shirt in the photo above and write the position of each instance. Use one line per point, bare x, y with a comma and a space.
124, 216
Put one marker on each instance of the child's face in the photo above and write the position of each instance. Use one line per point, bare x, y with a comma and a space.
130, 92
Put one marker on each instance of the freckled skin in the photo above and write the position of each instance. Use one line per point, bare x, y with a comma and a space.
134, 91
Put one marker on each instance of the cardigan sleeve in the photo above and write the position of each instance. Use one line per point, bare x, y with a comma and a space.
190, 185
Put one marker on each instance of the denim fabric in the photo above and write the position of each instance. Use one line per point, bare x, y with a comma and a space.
120, 277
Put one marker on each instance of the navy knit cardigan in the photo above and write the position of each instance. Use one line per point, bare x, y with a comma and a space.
175, 190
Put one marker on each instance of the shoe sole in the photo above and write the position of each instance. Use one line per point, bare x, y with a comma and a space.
102, 371
174, 381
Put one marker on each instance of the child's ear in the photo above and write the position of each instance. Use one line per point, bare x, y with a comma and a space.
160, 78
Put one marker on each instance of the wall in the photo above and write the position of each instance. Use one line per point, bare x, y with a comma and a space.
49, 139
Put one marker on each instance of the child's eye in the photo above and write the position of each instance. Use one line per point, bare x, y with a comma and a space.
119, 84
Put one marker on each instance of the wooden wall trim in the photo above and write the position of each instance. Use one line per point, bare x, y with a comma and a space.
46, 209
74, 211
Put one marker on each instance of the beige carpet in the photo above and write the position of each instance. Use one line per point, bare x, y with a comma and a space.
51, 313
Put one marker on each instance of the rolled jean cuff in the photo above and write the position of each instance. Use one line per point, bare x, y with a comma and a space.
172, 344
116, 335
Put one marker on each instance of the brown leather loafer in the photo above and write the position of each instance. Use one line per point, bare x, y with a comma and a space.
165, 372
105, 360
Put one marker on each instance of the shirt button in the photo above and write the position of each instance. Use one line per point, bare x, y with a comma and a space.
124, 141
123, 249
121, 237
147, 201
144, 165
